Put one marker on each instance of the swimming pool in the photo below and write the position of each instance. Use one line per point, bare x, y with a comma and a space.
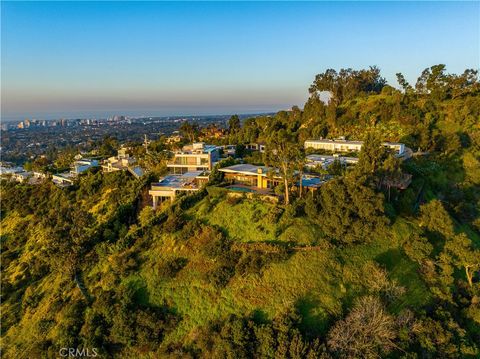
240, 189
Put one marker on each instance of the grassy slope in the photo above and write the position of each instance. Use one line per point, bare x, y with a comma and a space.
238, 220
318, 282
321, 283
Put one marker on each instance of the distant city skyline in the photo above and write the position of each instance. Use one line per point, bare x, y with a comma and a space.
97, 59
130, 114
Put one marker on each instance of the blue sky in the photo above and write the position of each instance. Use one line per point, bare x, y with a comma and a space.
161, 58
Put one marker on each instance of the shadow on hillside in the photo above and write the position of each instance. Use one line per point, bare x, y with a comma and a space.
314, 322
389, 258
260, 317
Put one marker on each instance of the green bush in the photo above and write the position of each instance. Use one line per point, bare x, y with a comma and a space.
221, 275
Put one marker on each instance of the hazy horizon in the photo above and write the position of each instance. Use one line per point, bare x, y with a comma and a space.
131, 114
85, 59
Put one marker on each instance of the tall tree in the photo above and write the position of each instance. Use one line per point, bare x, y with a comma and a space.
234, 124
462, 255
189, 130
350, 212
283, 153
407, 88
348, 83
435, 218
371, 159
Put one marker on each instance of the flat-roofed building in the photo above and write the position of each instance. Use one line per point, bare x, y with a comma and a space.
113, 164
195, 157
122, 162
169, 186
398, 147
64, 179
348, 146
84, 164
325, 161
263, 177
251, 175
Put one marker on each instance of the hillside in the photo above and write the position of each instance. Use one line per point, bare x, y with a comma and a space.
215, 258
355, 268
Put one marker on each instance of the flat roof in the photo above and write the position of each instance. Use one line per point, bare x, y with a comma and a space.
190, 150
245, 168
178, 181
65, 175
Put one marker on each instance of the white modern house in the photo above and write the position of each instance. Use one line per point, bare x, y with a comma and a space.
348, 146
122, 162
195, 157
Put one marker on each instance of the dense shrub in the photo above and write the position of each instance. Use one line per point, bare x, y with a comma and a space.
170, 268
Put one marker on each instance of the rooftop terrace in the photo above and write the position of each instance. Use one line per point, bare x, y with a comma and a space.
184, 181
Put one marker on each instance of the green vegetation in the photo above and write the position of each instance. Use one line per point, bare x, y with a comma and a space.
355, 269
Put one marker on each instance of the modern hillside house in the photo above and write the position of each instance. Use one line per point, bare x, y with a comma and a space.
261, 177
82, 165
64, 179
168, 186
348, 146
195, 157
325, 161
251, 175
118, 163
122, 162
